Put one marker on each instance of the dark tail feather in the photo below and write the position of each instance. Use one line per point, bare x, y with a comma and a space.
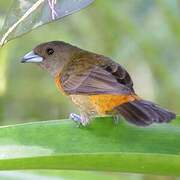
143, 113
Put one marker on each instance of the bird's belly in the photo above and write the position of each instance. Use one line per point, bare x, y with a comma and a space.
105, 104
100, 104
83, 103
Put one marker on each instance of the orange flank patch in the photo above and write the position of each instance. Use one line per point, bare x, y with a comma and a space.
106, 103
58, 83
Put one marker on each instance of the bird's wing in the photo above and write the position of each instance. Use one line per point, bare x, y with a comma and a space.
120, 74
92, 80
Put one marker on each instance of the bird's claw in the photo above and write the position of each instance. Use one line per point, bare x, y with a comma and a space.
80, 120
76, 118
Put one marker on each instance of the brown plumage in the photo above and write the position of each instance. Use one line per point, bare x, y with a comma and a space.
96, 84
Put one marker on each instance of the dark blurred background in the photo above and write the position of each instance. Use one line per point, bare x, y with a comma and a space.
142, 35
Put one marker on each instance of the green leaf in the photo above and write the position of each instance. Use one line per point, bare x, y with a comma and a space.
102, 146
30, 14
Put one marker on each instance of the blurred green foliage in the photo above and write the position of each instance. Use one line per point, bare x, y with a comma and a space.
144, 36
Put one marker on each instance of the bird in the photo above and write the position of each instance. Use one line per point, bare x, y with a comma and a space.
96, 84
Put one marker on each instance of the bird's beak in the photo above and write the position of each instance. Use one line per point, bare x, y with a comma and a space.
31, 57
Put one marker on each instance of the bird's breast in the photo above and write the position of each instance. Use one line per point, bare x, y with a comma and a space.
58, 83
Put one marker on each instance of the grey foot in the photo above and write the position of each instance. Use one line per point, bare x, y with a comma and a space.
116, 119
80, 120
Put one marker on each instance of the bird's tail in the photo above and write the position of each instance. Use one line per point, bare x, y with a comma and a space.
143, 113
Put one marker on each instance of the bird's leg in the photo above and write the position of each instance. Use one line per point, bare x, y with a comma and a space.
85, 119
82, 119
116, 119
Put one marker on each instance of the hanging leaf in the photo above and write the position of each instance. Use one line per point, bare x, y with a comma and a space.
26, 15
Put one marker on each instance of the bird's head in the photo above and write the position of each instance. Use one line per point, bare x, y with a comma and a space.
51, 56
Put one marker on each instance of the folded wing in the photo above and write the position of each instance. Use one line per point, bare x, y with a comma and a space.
109, 79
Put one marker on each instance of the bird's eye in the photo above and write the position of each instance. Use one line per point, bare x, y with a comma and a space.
50, 51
